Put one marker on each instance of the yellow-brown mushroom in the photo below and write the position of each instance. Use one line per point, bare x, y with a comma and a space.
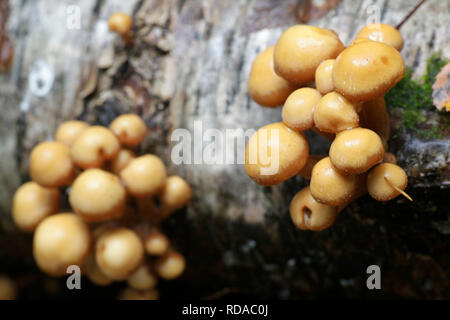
382, 33
298, 110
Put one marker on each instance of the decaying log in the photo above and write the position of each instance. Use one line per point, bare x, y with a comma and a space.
190, 61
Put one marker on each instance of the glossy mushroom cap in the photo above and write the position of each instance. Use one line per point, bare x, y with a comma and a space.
382, 33
121, 160
156, 243
32, 203
170, 266
51, 165
93, 147
119, 252
367, 70
331, 186
382, 190
61, 240
130, 129
69, 131
144, 176
298, 110
301, 49
308, 214
176, 193
143, 278
120, 22
356, 150
97, 195
324, 76
275, 153
266, 87
334, 113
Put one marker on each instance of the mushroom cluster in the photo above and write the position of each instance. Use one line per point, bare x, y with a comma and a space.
118, 200
337, 92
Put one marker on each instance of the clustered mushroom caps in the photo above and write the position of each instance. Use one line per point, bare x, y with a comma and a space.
114, 232
122, 24
339, 93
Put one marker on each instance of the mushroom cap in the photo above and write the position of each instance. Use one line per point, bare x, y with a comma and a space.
121, 160
356, 150
51, 165
143, 278
93, 146
170, 266
301, 49
331, 186
374, 116
275, 153
120, 22
334, 113
379, 188
97, 195
324, 76
119, 252
59, 241
266, 87
156, 243
308, 214
144, 176
129, 128
32, 203
69, 131
367, 70
176, 193
382, 33
298, 110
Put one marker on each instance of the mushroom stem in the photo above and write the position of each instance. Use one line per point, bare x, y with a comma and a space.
410, 14
403, 193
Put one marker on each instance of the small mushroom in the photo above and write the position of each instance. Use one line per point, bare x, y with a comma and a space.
33, 203
367, 70
121, 160
308, 214
374, 116
144, 278
386, 182
275, 153
356, 150
119, 252
144, 176
51, 165
334, 113
122, 24
170, 266
97, 195
156, 243
69, 131
175, 194
93, 272
266, 87
129, 129
298, 110
389, 158
382, 33
333, 187
301, 49
93, 147
324, 76
59, 241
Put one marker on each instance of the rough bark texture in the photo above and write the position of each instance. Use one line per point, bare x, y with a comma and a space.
190, 61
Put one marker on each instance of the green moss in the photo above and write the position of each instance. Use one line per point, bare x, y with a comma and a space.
413, 98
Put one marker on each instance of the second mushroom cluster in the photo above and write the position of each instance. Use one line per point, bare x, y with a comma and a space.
338, 92
117, 203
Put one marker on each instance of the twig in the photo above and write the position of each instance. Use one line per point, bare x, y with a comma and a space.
409, 14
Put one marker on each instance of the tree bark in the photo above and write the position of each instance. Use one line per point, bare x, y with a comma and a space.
190, 61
